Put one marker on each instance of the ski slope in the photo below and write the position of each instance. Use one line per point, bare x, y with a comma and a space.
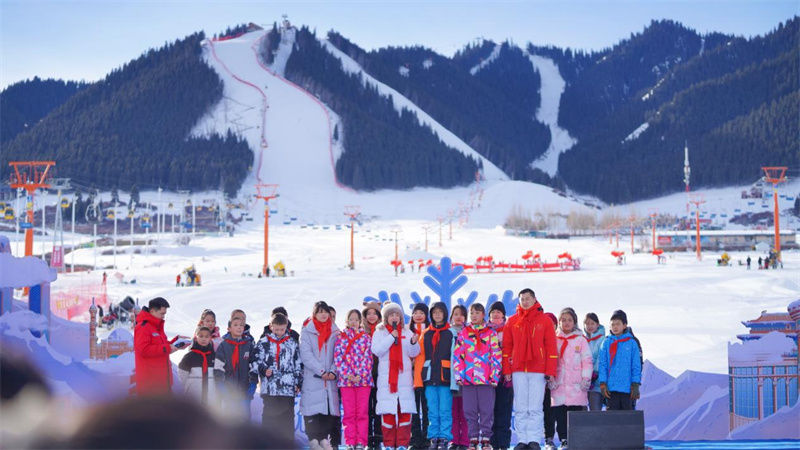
552, 87
489, 59
290, 132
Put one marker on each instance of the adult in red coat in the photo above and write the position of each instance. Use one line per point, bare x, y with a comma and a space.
152, 349
529, 357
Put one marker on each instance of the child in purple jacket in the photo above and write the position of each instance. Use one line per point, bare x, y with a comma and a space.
352, 356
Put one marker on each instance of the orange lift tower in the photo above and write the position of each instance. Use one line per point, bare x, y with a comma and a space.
776, 175
352, 212
30, 175
653, 216
697, 200
266, 192
632, 219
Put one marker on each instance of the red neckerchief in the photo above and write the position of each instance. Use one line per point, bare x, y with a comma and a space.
526, 317
478, 334
419, 328
436, 331
564, 344
324, 330
594, 338
205, 360
278, 343
351, 341
395, 358
236, 351
613, 349
215, 333
372, 327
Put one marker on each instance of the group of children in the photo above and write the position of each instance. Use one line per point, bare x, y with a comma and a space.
446, 380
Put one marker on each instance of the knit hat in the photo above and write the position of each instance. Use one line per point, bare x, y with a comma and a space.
390, 307
441, 306
552, 317
620, 315
498, 306
420, 307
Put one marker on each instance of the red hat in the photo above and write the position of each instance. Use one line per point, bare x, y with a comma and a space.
552, 317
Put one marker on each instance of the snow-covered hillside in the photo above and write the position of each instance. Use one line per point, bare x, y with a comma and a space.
490, 171
296, 151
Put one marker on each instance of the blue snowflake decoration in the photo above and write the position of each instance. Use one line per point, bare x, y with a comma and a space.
445, 280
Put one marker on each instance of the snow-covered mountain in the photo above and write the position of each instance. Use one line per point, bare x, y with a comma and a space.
692, 406
604, 124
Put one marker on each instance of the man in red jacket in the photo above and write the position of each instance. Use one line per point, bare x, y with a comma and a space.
152, 349
529, 358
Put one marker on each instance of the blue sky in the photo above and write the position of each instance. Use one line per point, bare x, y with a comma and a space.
85, 39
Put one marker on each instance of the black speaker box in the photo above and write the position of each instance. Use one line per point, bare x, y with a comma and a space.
600, 430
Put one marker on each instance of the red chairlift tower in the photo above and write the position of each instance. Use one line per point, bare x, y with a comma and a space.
776, 175
30, 175
266, 192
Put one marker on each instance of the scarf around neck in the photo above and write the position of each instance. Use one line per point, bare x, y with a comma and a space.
436, 332
324, 330
395, 358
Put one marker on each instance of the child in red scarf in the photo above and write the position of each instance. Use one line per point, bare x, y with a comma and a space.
319, 397
433, 368
529, 357
419, 420
394, 346
196, 369
371, 318
353, 358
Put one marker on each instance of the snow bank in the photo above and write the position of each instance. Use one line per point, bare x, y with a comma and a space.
74, 380
25, 271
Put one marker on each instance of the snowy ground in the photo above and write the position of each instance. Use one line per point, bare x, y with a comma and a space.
685, 312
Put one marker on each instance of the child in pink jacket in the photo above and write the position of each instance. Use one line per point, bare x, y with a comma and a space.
352, 355
574, 374
477, 363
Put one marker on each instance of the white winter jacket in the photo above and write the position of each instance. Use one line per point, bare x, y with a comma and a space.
387, 401
192, 381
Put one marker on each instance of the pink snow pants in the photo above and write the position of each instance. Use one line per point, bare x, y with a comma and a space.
355, 401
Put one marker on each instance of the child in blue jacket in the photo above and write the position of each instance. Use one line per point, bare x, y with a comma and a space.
620, 369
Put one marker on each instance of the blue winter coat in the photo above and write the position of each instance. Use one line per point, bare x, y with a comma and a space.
594, 346
627, 367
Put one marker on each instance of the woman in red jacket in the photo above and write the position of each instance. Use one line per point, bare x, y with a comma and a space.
152, 349
529, 357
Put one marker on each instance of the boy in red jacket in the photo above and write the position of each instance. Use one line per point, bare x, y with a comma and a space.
529, 358
152, 349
